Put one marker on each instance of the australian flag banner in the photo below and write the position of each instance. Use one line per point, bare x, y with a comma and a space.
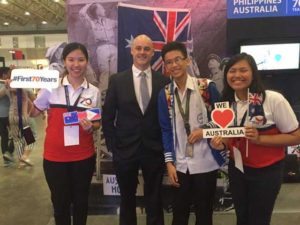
162, 25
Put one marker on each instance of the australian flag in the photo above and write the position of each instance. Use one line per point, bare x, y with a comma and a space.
161, 25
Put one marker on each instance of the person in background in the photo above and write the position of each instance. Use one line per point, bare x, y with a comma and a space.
103, 32
216, 73
20, 103
53, 54
7, 151
256, 184
131, 130
69, 154
191, 164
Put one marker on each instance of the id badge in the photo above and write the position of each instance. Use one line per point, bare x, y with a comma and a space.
189, 150
71, 135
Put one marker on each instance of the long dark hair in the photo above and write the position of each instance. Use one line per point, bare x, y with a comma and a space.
256, 85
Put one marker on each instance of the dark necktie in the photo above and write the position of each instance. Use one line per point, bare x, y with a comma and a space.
144, 91
19, 103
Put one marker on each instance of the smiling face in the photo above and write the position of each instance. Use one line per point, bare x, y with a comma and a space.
142, 52
239, 76
76, 63
176, 64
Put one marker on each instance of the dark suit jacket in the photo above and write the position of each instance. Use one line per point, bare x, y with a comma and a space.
125, 127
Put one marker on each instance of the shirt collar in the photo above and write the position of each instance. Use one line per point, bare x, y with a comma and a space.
189, 83
65, 82
237, 100
136, 72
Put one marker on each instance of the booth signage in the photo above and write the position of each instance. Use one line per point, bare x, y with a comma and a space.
111, 187
262, 8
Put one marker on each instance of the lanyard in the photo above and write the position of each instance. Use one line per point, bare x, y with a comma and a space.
234, 104
185, 116
69, 107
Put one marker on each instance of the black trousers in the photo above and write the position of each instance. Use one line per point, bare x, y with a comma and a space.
152, 167
198, 189
69, 183
254, 192
4, 134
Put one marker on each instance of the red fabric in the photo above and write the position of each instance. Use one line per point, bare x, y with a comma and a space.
258, 156
18, 54
54, 140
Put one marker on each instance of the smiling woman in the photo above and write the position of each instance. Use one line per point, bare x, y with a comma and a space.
69, 155
255, 184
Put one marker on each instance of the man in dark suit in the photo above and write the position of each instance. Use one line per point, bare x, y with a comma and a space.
133, 134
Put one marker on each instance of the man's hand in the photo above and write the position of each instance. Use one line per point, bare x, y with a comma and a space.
195, 135
172, 174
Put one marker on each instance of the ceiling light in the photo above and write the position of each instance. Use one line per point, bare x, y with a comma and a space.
6, 23
44, 22
4, 2
27, 13
56, 0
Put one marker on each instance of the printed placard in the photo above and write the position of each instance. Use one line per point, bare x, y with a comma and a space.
228, 132
223, 116
111, 186
33, 78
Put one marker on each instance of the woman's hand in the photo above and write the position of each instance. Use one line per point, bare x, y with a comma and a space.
172, 174
86, 125
217, 143
252, 134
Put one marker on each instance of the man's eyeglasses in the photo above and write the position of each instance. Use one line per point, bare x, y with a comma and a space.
178, 60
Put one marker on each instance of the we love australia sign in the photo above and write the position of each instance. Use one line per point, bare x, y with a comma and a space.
262, 8
223, 117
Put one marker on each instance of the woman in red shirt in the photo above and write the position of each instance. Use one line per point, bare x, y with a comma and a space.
256, 167
69, 154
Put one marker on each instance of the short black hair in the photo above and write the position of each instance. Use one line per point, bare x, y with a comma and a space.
174, 46
74, 46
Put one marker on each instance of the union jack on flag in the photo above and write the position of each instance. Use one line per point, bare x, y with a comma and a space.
255, 98
162, 25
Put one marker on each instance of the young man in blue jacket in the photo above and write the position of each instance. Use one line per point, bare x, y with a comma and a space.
184, 108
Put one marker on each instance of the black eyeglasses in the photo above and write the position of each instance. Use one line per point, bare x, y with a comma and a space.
178, 60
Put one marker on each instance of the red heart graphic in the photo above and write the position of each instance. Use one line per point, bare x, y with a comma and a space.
222, 117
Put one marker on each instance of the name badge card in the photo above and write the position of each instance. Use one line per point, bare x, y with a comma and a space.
223, 116
71, 135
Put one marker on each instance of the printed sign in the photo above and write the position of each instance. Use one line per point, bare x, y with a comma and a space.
31, 78
223, 116
111, 187
262, 8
